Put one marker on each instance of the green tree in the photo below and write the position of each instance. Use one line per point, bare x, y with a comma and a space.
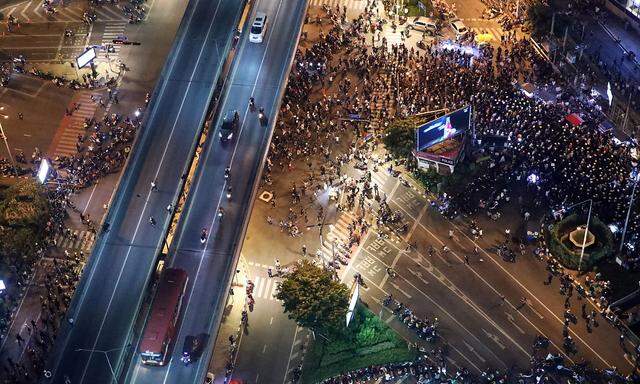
24, 212
312, 298
400, 137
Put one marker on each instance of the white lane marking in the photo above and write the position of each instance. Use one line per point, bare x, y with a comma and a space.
84, 211
397, 288
295, 336
22, 13
473, 336
441, 277
472, 350
175, 123
215, 216
513, 322
434, 302
560, 350
532, 295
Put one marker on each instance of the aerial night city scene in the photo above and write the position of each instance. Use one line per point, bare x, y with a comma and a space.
319, 191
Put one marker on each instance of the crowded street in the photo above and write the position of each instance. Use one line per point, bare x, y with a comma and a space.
458, 264
411, 246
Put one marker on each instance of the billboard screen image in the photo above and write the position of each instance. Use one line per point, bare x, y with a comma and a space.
443, 128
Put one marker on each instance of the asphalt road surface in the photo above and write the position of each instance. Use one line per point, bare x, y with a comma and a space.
259, 70
481, 328
113, 285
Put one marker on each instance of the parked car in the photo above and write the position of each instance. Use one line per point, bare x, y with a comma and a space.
459, 28
424, 24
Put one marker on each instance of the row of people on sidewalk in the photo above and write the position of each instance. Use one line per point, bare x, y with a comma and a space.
36, 337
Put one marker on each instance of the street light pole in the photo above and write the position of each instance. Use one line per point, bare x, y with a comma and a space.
586, 231
106, 356
6, 144
626, 220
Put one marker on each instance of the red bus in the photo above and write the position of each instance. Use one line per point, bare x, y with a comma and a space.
155, 346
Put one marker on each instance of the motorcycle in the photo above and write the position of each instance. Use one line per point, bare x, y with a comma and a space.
186, 358
229, 193
203, 236
262, 117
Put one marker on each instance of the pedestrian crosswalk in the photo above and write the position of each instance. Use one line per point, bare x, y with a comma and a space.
32, 11
337, 237
265, 287
379, 178
357, 5
75, 241
64, 143
112, 30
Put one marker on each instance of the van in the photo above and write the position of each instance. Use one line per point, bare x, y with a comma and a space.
459, 28
424, 24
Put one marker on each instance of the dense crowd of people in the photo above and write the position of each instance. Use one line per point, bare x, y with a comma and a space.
37, 336
571, 162
351, 74
102, 149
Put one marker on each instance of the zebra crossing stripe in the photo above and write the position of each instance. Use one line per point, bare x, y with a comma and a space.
84, 241
265, 288
351, 4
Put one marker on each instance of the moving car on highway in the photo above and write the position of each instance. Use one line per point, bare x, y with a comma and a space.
230, 124
256, 34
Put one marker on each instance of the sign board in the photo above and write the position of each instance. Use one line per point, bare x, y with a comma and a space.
125, 42
86, 57
443, 128
355, 294
43, 171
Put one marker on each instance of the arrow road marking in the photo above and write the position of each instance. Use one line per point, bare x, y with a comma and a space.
394, 285
493, 337
472, 350
418, 274
530, 306
513, 321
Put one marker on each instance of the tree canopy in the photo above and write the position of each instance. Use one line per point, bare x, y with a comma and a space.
400, 137
313, 299
24, 212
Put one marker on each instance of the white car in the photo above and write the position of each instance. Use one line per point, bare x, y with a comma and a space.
424, 24
256, 34
459, 28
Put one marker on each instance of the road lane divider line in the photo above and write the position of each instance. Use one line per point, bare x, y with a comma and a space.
524, 288
561, 350
441, 308
441, 277
160, 164
372, 283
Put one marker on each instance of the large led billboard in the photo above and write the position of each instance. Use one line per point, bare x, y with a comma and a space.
443, 128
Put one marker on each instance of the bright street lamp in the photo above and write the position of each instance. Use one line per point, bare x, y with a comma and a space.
6, 143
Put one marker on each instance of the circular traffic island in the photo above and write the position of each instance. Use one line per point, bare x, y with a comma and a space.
569, 236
